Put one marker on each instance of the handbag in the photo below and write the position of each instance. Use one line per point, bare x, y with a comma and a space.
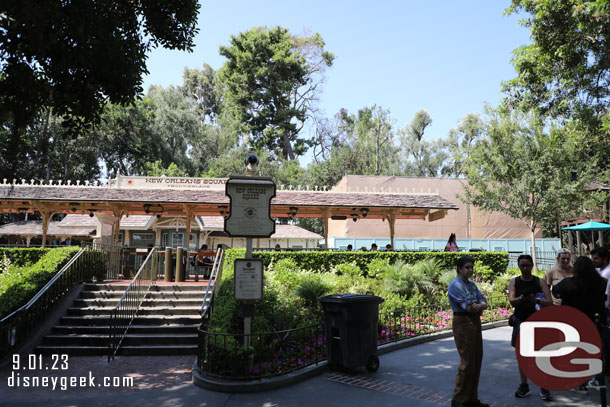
511, 320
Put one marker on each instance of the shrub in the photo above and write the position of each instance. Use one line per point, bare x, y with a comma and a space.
19, 284
24, 256
407, 280
5, 263
377, 267
348, 269
482, 272
325, 261
311, 289
445, 279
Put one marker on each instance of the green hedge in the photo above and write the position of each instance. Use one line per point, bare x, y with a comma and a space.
19, 284
325, 261
23, 256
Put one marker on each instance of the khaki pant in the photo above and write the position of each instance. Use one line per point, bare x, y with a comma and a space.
469, 343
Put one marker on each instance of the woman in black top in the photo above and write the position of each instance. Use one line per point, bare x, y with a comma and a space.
522, 294
585, 291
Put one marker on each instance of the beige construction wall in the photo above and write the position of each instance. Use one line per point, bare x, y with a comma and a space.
482, 225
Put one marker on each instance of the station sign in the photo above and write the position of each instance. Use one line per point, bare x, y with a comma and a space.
141, 182
250, 212
248, 279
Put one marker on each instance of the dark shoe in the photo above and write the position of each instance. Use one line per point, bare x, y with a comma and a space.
545, 395
522, 391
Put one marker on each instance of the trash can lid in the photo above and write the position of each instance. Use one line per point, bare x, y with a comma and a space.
344, 298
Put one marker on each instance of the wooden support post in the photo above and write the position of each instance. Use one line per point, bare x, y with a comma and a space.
391, 217
46, 218
325, 216
571, 242
189, 215
578, 242
600, 238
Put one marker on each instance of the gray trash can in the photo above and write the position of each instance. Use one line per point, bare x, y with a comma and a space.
351, 330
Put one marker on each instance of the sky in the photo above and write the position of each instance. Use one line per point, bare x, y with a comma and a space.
447, 57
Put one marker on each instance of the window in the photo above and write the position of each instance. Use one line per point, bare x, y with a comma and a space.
143, 236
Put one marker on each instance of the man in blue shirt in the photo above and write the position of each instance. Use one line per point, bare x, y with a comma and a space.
467, 304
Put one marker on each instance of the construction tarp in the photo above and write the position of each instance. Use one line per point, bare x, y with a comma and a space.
467, 222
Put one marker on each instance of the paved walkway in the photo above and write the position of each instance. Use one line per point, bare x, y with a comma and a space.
419, 376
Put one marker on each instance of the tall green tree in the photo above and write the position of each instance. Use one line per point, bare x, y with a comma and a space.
73, 56
459, 143
175, 125
422, 158
565, 71
529, 169
272, 80
126, 138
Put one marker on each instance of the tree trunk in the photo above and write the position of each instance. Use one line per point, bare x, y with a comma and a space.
533, 233
289, 154
377, 155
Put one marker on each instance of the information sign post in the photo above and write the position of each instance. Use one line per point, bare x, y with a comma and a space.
250, 217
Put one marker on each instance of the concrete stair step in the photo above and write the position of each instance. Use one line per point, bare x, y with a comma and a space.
101, 339
97, 320
135, 329
179, 288
157, 310
101, 294
156, 302
123, 350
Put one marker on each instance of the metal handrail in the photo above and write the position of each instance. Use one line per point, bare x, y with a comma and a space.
126, 309
16, 328
215, 275
403, 324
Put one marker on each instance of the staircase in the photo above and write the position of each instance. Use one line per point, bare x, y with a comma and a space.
166, 323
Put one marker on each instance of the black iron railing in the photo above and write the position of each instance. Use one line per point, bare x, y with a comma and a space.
544, 259
17, 328
223, 356
398, 325
127, 307
215, 276
113, 259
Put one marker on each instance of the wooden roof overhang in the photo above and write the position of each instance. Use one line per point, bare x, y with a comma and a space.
287, 203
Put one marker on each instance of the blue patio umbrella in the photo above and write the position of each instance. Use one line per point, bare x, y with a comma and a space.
589, 226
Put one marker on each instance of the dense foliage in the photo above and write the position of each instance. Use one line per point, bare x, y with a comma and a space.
72, 57
19, 284
22, 257
325, 261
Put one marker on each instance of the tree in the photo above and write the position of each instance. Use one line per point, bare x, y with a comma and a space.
175, 125
156, 169
565, 71
73, 56
201, 86
459, 142
126, 138
526, 171
272, 82
422, 158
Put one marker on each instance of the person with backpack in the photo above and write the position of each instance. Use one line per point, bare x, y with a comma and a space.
526, 294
